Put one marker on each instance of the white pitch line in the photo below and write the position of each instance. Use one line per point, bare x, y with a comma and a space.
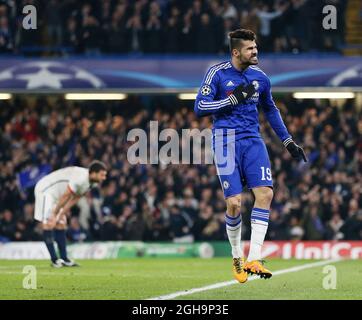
229, 283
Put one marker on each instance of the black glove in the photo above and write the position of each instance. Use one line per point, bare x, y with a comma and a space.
242, 93
296, 151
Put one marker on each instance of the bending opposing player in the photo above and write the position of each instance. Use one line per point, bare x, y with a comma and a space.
55, 194
231, 92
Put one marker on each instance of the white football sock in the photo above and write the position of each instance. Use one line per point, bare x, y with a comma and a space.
233, 230
259, 226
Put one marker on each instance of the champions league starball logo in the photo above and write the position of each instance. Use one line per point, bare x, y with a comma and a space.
205, 90
48, 75
349, 77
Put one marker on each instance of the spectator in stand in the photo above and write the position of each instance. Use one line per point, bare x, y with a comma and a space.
352, 228
92, 36
6, 37
75, 232
180, 225
54, 22
7, 226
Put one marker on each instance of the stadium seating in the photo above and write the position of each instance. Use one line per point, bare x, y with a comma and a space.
170, 26
317, 200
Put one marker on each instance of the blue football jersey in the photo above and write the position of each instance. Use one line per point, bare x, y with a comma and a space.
213, 99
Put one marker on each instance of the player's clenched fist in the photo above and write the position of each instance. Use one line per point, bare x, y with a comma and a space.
242, 93
296, 151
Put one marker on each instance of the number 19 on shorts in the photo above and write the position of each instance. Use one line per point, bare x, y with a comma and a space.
266, 174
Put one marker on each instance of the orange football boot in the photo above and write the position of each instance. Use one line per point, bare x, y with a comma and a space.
257, 267
238, 270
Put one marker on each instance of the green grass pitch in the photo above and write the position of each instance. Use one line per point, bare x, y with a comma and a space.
144, 278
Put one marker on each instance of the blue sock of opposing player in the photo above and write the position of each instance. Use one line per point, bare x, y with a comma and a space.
49, 242
233, 230
62, 243
259, 226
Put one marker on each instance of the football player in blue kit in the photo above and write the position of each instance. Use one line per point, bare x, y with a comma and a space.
231, 92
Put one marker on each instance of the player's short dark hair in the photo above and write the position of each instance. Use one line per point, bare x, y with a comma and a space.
97, 166
240, 34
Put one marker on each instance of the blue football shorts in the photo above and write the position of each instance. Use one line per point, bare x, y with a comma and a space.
244, 162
